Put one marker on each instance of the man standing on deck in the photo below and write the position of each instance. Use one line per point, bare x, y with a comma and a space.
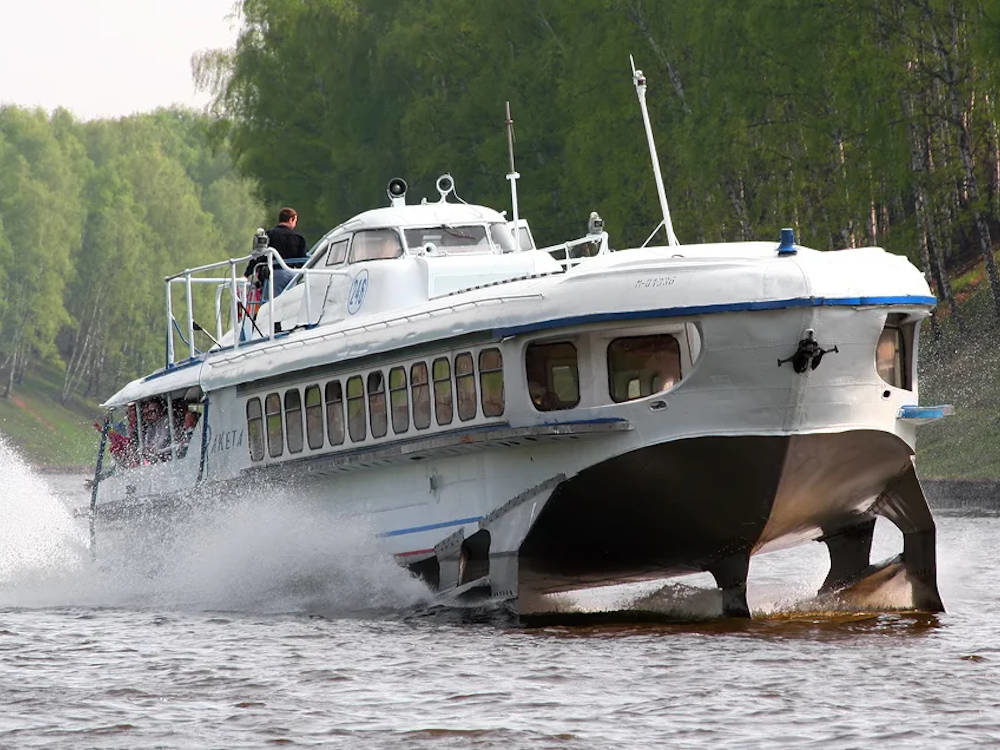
289, 244
283, 237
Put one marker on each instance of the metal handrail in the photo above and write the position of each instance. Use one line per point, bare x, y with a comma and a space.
237, 288
568, 262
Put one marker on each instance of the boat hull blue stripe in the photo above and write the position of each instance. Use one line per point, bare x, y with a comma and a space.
674, 312
432, 526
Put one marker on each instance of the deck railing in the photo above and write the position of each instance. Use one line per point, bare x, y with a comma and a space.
575, 252
237, 287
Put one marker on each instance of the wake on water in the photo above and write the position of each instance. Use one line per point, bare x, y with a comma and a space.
269, 554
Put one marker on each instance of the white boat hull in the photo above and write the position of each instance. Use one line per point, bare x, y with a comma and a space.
744, 456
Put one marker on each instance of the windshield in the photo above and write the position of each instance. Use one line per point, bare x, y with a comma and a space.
450, 238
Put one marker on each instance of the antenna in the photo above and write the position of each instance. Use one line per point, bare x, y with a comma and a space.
639, 80
512, 175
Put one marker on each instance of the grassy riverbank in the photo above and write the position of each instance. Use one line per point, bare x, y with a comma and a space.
962, 368
44, 431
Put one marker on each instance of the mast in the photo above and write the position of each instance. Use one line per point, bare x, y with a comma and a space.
512, 175
639, 80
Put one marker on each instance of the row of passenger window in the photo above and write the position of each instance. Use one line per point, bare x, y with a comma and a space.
371, 401
364, 406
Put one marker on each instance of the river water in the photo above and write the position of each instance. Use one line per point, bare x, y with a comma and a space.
265, 626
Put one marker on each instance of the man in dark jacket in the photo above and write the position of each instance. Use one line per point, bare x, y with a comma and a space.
289, 244
283, 237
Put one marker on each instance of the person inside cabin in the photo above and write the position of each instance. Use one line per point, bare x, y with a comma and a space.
190, 421
121, 439
542, 398
155, 429
290, 246
185, 419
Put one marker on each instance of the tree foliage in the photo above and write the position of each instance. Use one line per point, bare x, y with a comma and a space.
858, 122
93, 215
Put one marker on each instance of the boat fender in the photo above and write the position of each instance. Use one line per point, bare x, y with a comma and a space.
809, 353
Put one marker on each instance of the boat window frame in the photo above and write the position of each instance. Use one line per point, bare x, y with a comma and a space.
485, 383
311, 413
465, 387
294, 439
255, 437
544, 397
665, 384
444, 399
420, 396
331, 257
334, 406
902, 330
378, 419
275, 437
356, 420
399, 401
453, 229
351, 259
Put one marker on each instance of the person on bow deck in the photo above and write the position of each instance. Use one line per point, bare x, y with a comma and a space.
290, 246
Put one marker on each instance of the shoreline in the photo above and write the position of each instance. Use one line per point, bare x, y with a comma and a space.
962, 493
67, 469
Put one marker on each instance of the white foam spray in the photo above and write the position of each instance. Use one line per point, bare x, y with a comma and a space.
267, 554
38, 535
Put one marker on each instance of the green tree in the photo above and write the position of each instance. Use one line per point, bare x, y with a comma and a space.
42, 215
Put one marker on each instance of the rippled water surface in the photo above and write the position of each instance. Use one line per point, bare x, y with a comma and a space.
266, 625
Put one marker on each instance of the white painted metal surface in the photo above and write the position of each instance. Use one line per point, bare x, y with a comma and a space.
736, 309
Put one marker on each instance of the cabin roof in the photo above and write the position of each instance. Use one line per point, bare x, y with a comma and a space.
418, 215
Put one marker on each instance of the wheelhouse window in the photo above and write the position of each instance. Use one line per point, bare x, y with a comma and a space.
420, 387
293, 420
356, 409
399, 400
376, 403
639, 366
314, 417
317, 256
272, 414
375, 244
450, 238
255, 429
465, 386
553, 376
337, 253
891, 353
491, 382
442, 391
334, 412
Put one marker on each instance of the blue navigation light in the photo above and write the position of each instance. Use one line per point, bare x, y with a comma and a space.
787, 246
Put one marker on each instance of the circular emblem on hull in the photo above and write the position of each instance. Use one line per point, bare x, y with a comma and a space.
359, 287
